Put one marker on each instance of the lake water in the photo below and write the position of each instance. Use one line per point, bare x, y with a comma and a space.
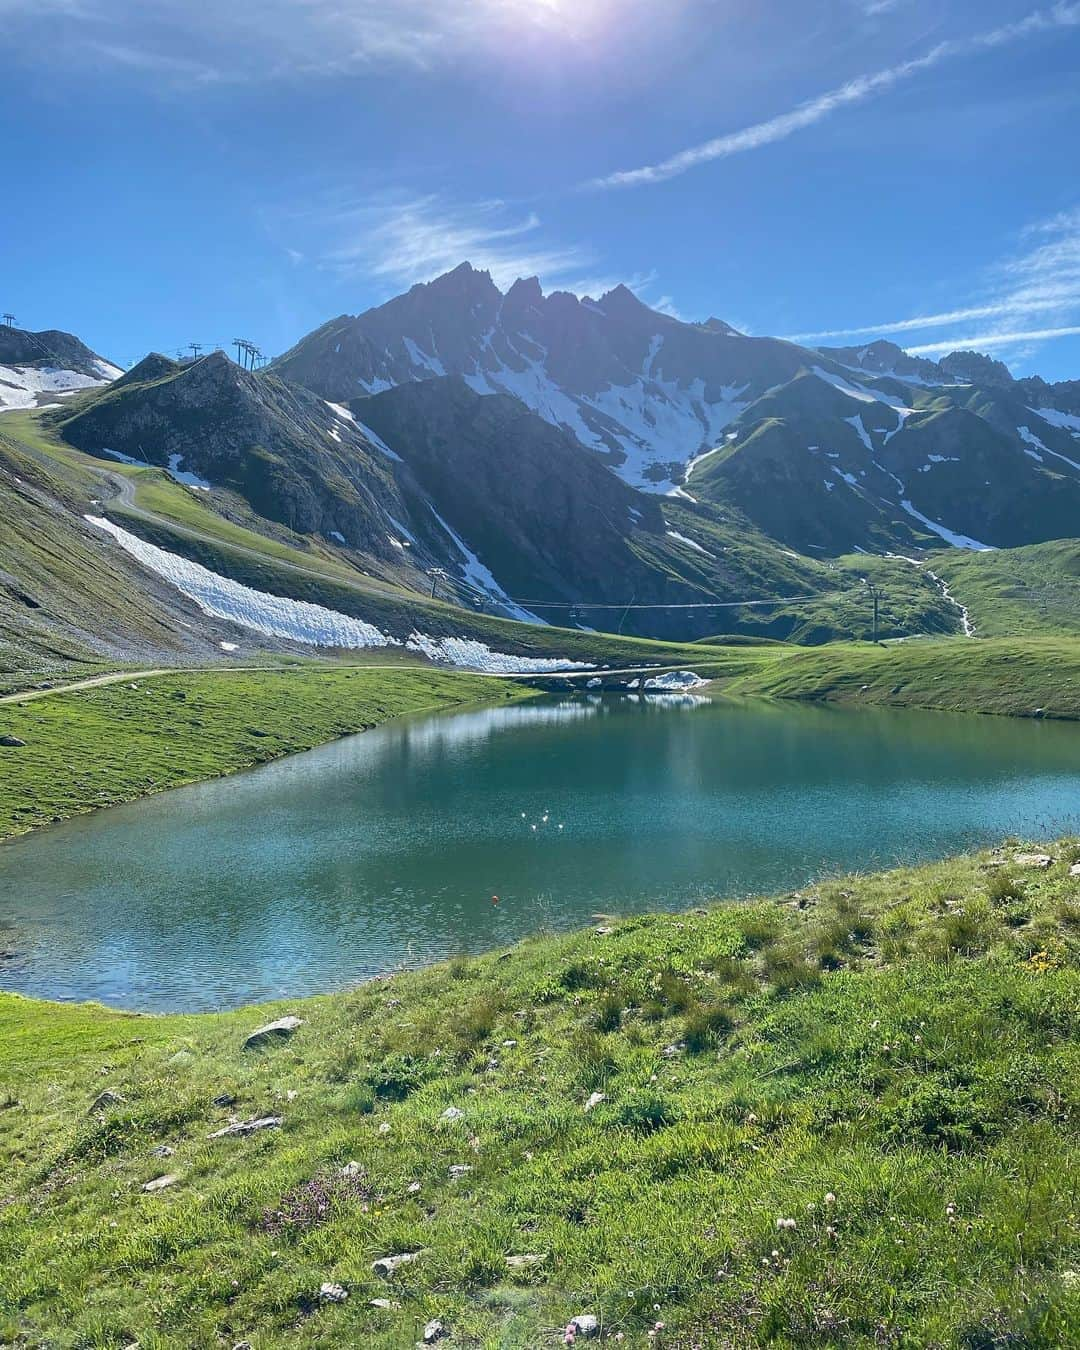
319, 871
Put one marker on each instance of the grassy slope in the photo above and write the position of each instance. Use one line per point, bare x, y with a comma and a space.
97, 747
1017, 591
999, 675
904, 1043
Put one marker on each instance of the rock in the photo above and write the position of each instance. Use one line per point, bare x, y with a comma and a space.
585, 1324
386, 1304
242, 1345
161, 1183
414, 1188
248, 1126
460, 1170
224, 1099
387, 1266
452, 1113
524, 1262
351, 1169
434, 1331
273, 1031
670, 1051
162, 1151
1040, 860
12, 742
104, 1100
332, 1293
595, 1099
1074, 870
384, 1127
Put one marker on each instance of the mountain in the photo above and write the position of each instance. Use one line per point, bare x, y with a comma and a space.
831, 450
36, 367
433, 475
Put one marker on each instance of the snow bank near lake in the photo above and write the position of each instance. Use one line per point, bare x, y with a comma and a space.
678, 680
300, 621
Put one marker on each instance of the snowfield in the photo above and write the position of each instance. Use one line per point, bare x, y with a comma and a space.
315, 625
21, 385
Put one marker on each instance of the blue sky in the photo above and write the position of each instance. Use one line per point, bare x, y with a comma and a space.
897, 168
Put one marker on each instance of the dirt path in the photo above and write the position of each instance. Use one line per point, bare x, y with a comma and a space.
120, 676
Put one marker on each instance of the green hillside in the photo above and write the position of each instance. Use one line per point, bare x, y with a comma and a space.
845, 1116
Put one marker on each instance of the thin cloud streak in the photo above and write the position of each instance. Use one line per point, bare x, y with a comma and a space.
984, 340
855, 91
1044, 280
402, 241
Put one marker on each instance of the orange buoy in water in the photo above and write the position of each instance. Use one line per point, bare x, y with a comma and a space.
494, 899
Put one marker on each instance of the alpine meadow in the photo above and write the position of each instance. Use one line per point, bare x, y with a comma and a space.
544, 809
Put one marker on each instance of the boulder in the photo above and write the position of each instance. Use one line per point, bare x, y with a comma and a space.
12, 742
434, 1331
161, 1183
104, 1100
1039, 860
248, 1126
273, 1031
585, 1324
332, 1293
388, 1266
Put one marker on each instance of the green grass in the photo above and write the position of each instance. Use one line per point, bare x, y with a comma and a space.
1017, 677
1017, 591
889, 1061
98, 747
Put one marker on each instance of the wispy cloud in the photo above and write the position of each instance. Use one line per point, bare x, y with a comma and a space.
401, 240
1040, 280
993, 341
855, 91
249, 40
405, 240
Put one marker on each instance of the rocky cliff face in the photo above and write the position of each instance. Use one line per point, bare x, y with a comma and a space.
830, 449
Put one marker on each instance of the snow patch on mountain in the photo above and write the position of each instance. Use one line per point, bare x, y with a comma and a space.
315, 625
1066, 421
943, 531
21, 385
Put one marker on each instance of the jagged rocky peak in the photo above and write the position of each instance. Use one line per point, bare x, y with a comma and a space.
976, 368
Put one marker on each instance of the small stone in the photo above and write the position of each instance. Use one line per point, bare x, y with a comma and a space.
104, 1100
434, 1331
414, 1188
460, 1170
508, 1045
452, 1113
161, 1183
273, 1031
585, 1324
670, 1051
332, 1293
384, 1127
386, 1266
248, 1126
162, 1151
595, 1100
224, 1099
1074, 870
1039, 860
351, 1169
11, 742
242, 1345
386, 1304
524, 1262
